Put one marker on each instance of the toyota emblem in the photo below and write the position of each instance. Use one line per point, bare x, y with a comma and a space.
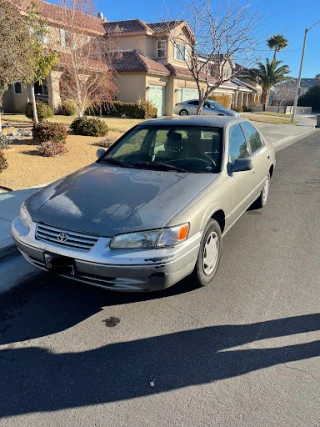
62, 237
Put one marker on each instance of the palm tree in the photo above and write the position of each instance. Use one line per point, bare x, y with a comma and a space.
267, 75
277, 42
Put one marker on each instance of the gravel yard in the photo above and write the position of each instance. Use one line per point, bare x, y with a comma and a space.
28, 169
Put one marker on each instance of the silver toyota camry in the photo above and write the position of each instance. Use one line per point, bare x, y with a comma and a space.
152, 209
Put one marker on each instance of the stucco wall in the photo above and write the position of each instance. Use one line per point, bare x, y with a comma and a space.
143, 43
16, 102
131, 87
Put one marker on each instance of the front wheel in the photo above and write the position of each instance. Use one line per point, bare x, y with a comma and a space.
183, 113
209, 254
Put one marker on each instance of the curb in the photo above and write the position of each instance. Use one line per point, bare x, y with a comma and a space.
289, 140
7, 249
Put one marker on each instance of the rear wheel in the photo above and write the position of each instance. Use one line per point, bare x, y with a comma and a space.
183, 113
209, 254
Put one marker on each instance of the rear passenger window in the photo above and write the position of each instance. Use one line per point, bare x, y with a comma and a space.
238, 148
193, 103
252, 136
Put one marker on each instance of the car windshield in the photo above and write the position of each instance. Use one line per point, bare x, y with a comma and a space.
171, 149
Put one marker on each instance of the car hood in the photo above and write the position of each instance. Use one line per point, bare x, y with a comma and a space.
105, 200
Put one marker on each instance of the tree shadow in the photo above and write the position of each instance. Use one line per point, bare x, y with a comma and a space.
37, 380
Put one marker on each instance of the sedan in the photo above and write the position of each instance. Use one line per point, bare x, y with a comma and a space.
153, 208
210, 108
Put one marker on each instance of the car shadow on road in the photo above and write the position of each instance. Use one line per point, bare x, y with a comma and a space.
53, 304
37, 380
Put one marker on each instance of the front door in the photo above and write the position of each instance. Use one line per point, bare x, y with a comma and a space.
242, 183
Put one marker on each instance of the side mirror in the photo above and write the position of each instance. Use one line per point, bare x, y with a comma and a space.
241, 165
100, 152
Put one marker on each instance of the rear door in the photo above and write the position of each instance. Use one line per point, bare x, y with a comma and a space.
242, 183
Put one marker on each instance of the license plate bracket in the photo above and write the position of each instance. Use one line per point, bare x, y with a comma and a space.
59, 264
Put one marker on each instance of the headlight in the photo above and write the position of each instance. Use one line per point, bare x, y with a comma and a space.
151, 239
25, 216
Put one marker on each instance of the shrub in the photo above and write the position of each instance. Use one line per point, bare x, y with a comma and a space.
45, 131
3, 162
238, 109
247, 109
105, 142
224, 100
4, 142
68, 109
51, 149
44, 111
89, 127
138, 110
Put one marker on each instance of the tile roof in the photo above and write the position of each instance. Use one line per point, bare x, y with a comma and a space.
162, 27
135, 61
129, 26
184, 72
59, 15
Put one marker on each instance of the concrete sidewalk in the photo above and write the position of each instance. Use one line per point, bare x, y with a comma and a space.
13, 269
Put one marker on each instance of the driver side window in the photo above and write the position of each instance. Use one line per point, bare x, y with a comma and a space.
238, 148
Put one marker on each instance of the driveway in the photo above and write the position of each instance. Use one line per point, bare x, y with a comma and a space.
243, 351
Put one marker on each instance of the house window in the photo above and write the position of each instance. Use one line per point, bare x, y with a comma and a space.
65, 38
225, 73
180, 52
41, 90
18, 88
161, 49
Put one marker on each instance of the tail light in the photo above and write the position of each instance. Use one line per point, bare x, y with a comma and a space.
176, 104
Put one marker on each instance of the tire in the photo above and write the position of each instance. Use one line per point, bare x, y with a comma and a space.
263, 198
183, 113
204, 272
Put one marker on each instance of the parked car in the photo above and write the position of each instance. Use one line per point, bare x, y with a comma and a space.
210, 108
153, 208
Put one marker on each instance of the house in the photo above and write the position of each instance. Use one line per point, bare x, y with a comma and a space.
148, 67
284, 92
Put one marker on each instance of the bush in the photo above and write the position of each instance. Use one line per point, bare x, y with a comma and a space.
89, 127
247, 109
45, 131
3, 162
138, 110
4, 142
44, 111
68, 109
105, 143
311, 99
238, 109
51, 149
224, 100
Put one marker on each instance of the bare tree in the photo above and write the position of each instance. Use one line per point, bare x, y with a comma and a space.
284, 92
225, 35
89, 77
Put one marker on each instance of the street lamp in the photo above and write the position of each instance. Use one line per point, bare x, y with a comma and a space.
300, 71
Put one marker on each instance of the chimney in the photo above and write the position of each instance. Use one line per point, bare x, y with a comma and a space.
101, 16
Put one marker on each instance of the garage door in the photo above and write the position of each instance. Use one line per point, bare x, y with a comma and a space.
187, 94
156, 96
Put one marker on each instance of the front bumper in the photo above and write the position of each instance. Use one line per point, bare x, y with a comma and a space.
118, 270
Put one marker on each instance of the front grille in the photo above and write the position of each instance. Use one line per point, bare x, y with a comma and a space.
65, 238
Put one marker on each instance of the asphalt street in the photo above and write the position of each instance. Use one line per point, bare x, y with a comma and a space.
243, 351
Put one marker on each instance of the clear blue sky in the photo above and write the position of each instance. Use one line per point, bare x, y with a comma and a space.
289, 17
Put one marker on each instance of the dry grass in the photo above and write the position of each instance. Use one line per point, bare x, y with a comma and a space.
272, 113
115, 124
27, 169
255, 117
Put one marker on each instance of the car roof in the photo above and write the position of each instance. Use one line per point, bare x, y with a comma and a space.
207, 121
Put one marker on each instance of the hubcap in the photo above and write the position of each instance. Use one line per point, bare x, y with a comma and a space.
210, 253
183, 113
265, 191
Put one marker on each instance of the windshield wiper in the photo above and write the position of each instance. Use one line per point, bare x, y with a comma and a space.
117, 162
159, 166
